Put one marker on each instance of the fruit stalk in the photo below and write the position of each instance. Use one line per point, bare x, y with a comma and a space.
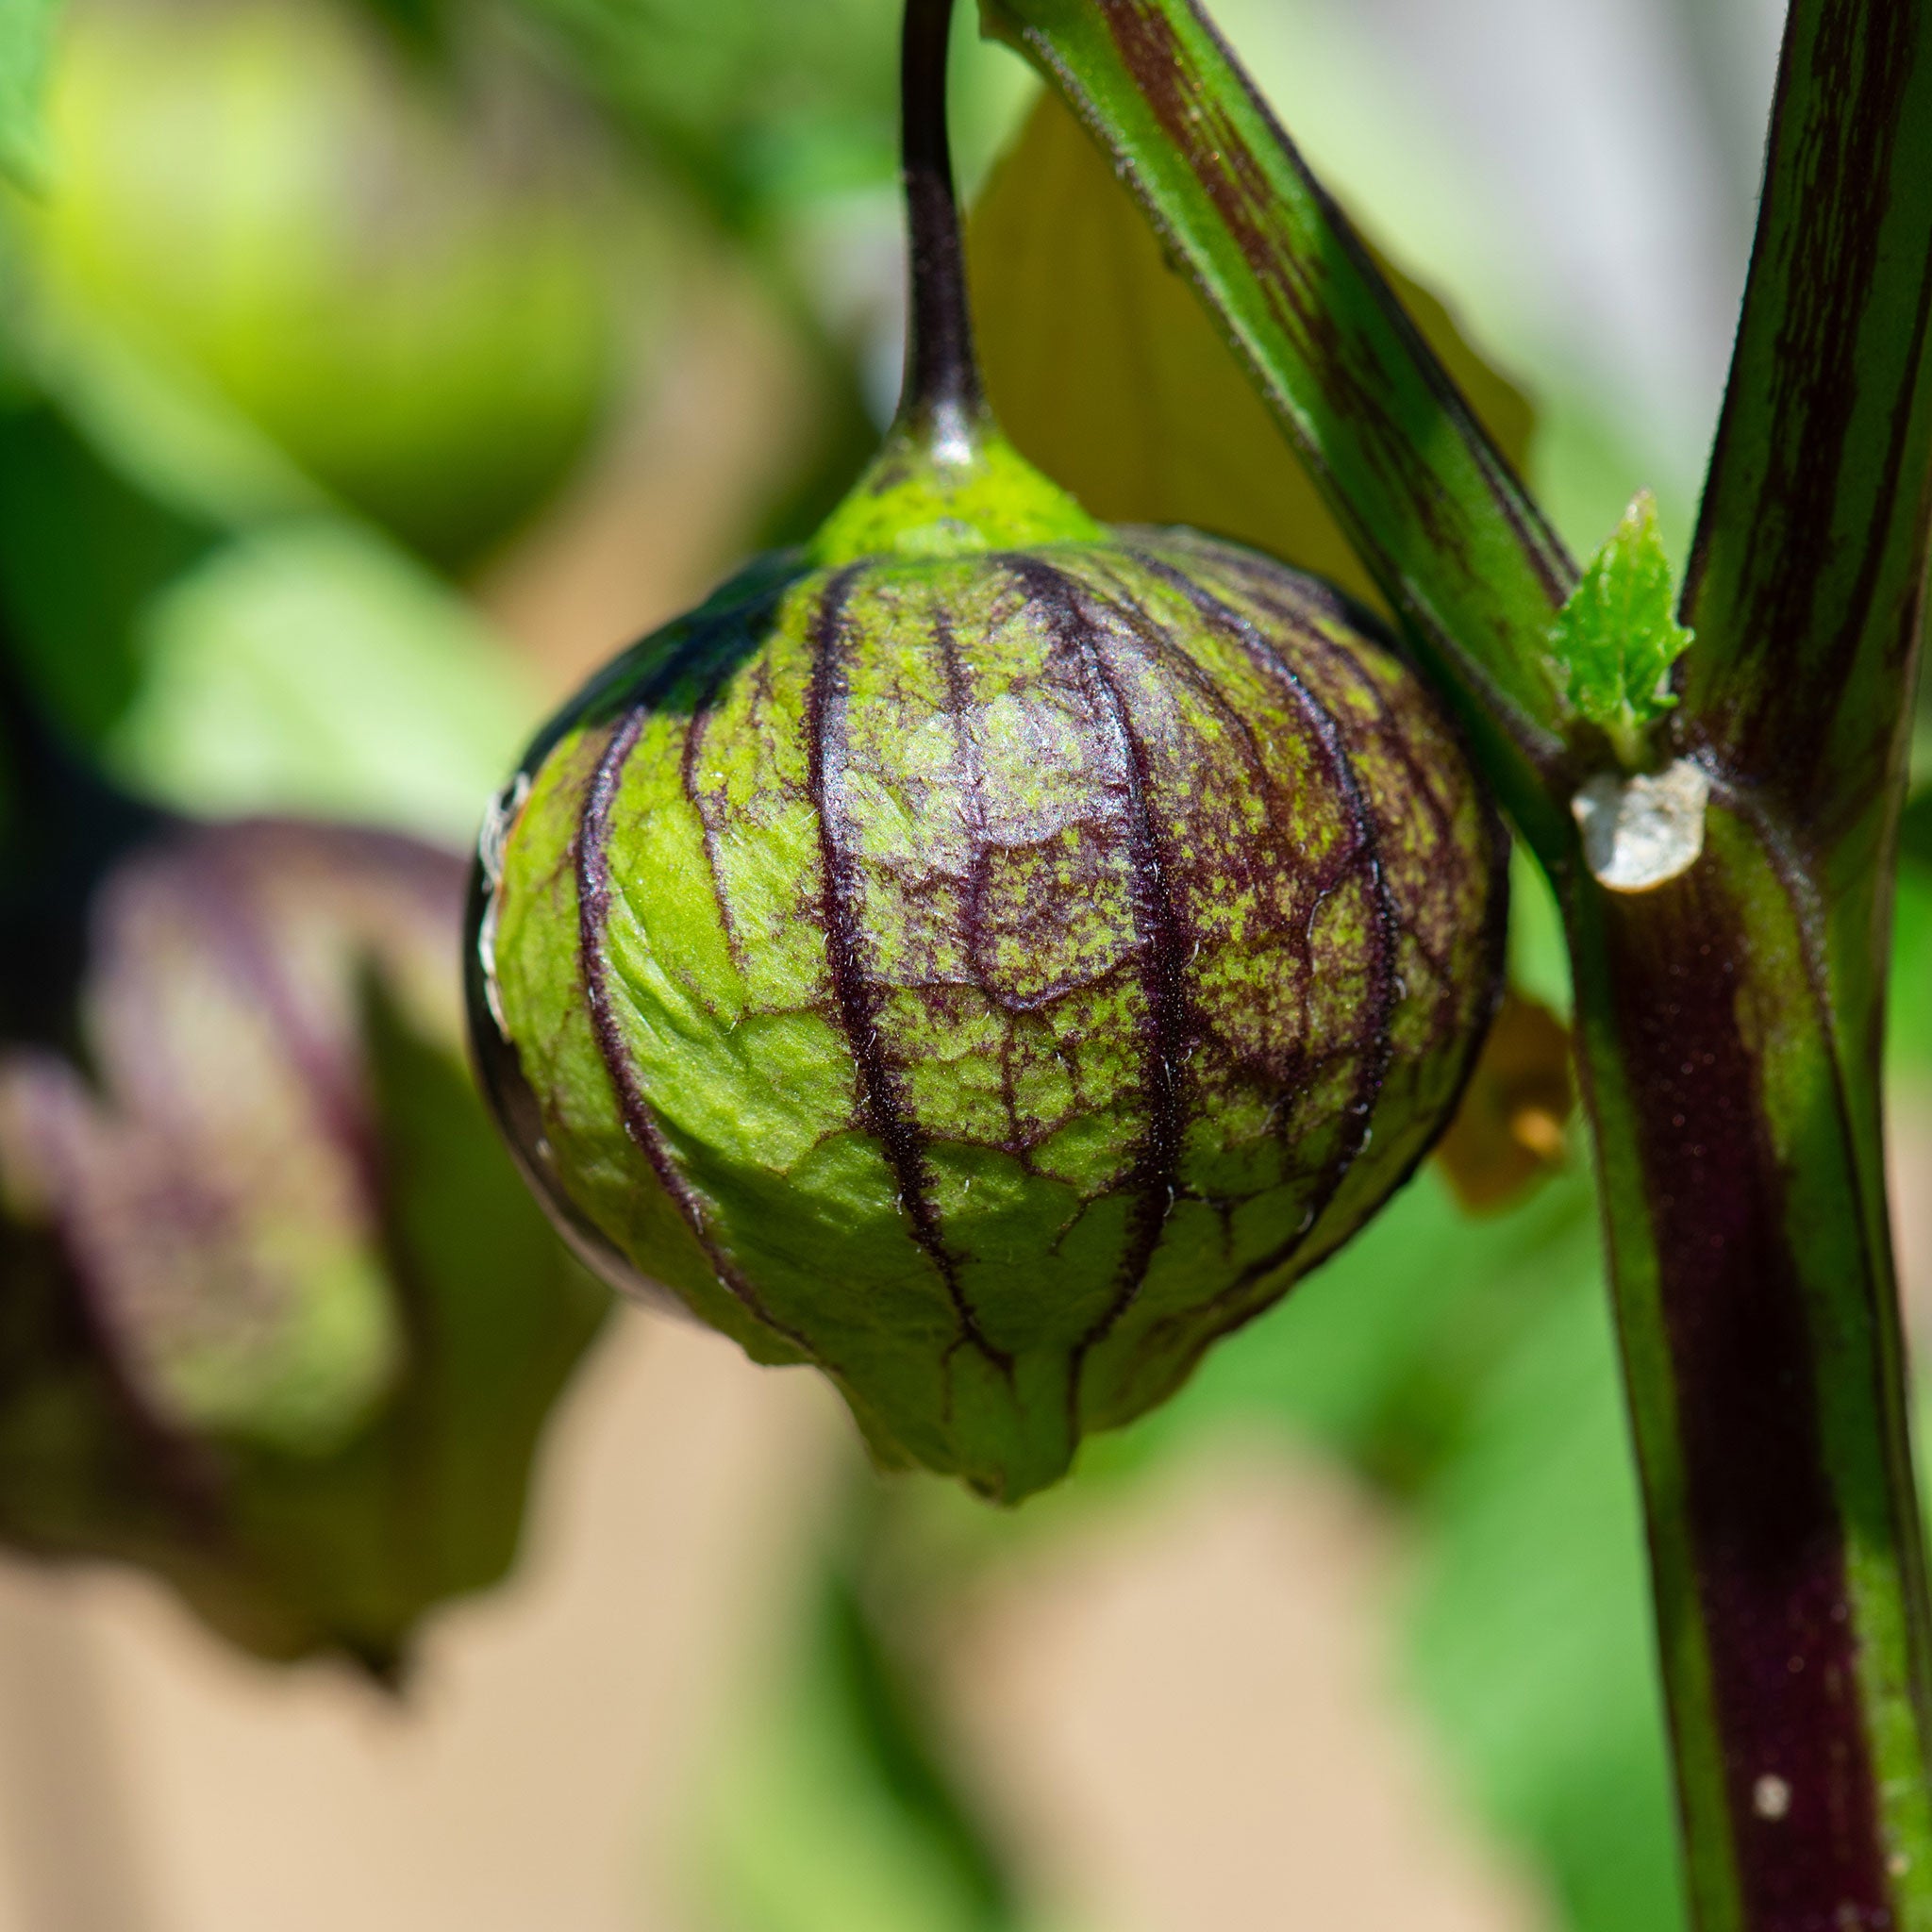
941, 392
1730, 1020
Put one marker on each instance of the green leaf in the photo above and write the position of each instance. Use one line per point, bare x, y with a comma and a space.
1106, 370
742, 98
313, 666
835, 1806
1528, 1633
1618, 634
1908, 1022
26, 38
1915, 830
82, 552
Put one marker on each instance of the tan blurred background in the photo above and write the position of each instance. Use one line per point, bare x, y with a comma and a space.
1183, 1714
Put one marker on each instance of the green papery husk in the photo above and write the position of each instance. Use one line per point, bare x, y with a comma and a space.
991, 976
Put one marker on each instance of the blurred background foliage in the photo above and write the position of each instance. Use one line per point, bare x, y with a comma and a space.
369, 368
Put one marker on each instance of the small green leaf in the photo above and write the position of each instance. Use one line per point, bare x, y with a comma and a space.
26, 37
1618, 636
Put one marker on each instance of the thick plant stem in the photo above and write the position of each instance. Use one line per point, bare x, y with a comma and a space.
1450, 535
1799, 1521
1759, 1329
1728, 1020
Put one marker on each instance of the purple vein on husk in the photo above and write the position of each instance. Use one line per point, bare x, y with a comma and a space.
858, 996
1383, 987
641, 1123
1162, 951
690, 761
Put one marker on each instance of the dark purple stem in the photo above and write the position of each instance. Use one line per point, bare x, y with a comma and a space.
942, 395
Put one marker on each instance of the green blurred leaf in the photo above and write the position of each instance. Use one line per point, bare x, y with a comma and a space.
82, 550
1908, 1022
313, 666
1539, 959
893, 1731
1618, 636
434, 355
26, 38
1107, 373
832, 1809
736, 93
166, 433
1530, 1640
1915, 831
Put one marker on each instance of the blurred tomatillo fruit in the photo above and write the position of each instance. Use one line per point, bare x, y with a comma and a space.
274, 1319
398, 277
986, 955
